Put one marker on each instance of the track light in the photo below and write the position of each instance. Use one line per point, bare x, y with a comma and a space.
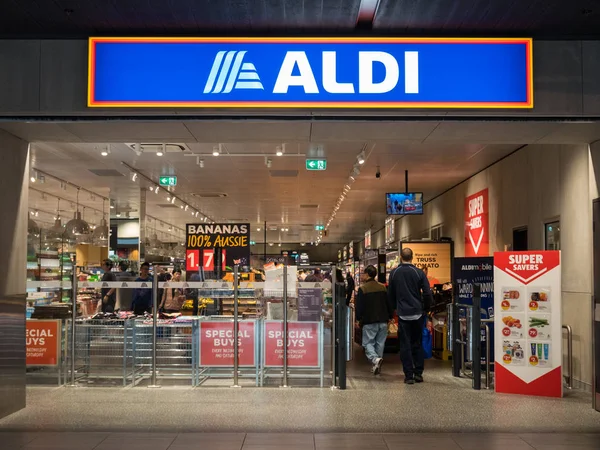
161, 151
156, 189
258, 229
200, 162
217, 150
105, 152
134, 176
361, 158
173, 200
279, 151
186, 208
268, 162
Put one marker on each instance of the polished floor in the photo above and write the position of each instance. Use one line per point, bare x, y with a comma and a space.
300, 441
381, 404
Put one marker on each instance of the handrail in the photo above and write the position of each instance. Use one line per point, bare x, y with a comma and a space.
569, 377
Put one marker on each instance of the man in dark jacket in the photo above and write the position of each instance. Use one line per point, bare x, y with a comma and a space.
373, 311
410, 291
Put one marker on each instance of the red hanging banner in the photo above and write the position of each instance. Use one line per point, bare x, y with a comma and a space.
477, 232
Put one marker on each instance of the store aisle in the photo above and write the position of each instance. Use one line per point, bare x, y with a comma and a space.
301, 441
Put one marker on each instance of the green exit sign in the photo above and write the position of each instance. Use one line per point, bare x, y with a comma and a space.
316, 164
319, 227
168, 181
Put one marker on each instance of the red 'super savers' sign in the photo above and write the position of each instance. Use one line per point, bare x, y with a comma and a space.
217, 340
477, 235
303, 344
526, 266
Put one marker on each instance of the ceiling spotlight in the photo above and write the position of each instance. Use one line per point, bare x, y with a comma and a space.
258, 229
196, 213
173, 200
361, 158
182, 207
118, 214
302, 244
217, 150
104, 152
186, 208
32, 179
279, 151
268, 162
270, 244
200, 162
279, 245
150, 188
161, 151
134, 176
156, 189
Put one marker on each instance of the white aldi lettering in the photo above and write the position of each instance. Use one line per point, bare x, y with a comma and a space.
366, 85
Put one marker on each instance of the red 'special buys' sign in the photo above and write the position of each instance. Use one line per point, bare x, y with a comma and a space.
42, 340
477, 233
528, 323
217, 340
304, 342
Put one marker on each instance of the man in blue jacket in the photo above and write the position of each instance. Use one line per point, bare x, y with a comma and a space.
409, 290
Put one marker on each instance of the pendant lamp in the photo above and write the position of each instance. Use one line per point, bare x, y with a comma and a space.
77, 226
58, 232
101, 233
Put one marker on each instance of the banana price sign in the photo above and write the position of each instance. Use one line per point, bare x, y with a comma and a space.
234, 238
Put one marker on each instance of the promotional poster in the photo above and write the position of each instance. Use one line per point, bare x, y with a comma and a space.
232, 238
477, 230
528, 323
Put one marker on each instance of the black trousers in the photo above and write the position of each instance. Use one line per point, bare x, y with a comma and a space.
410, 337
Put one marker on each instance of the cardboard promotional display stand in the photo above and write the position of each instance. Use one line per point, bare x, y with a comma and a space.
528, 323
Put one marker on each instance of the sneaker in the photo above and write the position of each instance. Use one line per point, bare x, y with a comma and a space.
409, 381
419, 378
377, 366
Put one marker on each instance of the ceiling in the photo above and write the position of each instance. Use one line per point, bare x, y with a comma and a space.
438, 155
82, 18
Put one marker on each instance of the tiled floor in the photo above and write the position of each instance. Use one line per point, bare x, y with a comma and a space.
299, 441
382, 404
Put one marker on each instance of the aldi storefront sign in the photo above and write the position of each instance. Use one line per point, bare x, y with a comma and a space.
311, 72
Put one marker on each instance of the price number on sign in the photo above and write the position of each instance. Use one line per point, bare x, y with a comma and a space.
208, 258
507, 359
533, 332
506, 331
533, 306
192, 258
505, 305
533, 360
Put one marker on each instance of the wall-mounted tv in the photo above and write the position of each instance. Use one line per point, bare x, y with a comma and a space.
405, 203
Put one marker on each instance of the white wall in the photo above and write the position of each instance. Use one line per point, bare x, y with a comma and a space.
533, 186
128, 229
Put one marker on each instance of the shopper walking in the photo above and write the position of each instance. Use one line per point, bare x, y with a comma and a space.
314, 277
142, 297
373, 312
173, 298
350, 286
409, 290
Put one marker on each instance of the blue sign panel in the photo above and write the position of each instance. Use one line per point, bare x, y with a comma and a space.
477, 270
310, 72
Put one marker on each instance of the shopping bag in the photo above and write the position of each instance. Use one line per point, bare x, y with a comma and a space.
427, 342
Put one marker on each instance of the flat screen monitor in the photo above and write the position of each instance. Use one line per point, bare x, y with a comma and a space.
405, 203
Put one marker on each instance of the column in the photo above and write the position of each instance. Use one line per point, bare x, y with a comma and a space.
14, 183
